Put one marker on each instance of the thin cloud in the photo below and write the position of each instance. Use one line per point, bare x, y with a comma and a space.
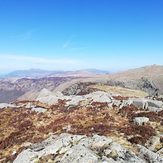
36, 59
78, 48
12, 62
69, 44
24, 36
66, 44
27, 35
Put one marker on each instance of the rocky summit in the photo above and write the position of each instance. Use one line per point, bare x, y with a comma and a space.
98, 126
81, 81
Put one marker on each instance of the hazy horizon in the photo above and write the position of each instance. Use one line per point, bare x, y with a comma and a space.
80, 34
111, 71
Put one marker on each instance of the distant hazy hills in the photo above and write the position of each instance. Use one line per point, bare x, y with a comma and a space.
38, 73
28, 83
29, 73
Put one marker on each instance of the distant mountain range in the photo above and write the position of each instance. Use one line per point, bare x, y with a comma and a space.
26, 84
38, 73
33, 73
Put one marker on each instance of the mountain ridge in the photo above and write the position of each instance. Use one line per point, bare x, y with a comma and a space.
38, 73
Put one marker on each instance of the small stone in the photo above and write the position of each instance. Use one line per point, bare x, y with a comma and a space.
141, 120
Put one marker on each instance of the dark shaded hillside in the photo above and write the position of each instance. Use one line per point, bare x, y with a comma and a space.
10, 95
10, 91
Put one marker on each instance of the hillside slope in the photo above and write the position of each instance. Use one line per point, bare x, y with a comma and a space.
148, 79
153, 73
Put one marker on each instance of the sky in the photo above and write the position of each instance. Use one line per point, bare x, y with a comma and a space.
78, 34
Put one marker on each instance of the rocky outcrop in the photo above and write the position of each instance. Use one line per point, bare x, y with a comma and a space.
79, 88
5, 105
51, 98
39, 109
143, 84
67, 148
144, 104
154, 144
149, 156
102, 128
139, 103
99, 96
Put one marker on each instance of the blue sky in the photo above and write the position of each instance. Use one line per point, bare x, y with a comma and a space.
79, 34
